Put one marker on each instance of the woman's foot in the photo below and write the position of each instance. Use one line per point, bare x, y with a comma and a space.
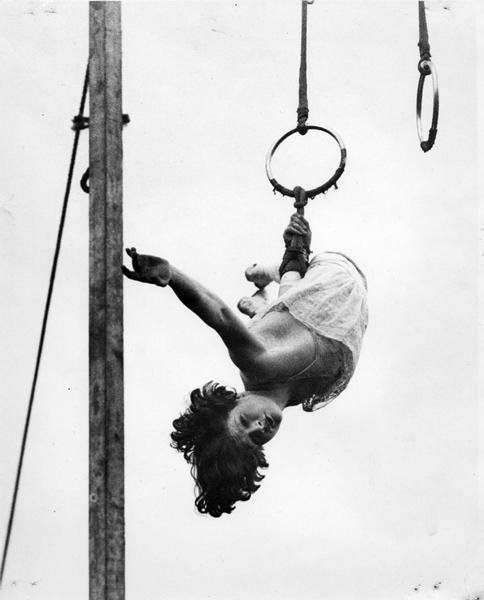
262, 275
251, 305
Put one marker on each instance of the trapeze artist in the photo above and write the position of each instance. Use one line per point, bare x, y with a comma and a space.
299, 349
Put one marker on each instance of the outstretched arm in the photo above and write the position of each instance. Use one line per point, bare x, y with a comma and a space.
244, 348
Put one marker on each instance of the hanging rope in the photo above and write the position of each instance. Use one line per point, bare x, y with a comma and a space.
423, 42
425, 68
78, 125
303, 108
302, 128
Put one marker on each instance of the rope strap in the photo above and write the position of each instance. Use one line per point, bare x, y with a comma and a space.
303, 109
293, 260
423, 42
301, 199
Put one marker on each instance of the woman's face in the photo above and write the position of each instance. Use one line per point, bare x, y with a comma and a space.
255, 418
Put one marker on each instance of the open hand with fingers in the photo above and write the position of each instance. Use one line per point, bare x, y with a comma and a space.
298, 225
148, 269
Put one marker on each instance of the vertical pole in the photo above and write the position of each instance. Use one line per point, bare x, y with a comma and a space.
106, 414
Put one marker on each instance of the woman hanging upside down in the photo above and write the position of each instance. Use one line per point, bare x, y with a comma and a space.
301, 348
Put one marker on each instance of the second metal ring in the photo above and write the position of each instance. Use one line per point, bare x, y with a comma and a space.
429, 142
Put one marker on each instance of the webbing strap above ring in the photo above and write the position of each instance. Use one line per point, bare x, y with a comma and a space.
423, 42
303, 108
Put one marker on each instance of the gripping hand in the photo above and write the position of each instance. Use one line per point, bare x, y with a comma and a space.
297, 237
298, 225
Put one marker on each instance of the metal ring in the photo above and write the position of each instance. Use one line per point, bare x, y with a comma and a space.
318, 190
429, 142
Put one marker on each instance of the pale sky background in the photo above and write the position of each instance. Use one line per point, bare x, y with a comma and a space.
369, 498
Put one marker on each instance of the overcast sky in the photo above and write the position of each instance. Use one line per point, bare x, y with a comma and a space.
374, 496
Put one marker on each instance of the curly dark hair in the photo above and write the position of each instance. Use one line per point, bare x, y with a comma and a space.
225, 469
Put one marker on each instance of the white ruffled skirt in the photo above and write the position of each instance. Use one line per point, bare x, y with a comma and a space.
330, 300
